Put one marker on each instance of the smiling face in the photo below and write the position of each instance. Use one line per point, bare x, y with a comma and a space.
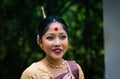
55, 41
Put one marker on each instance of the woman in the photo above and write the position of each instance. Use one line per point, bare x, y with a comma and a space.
53, 40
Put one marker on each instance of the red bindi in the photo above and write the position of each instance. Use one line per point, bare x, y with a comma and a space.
56, 28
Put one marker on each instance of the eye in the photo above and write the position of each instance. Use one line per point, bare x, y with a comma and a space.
63, 37
50, 38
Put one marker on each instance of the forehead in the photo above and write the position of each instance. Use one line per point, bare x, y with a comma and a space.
56, 26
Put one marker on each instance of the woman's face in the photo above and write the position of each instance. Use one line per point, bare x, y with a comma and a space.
55, 41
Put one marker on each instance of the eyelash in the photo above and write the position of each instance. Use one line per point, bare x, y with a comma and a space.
50, 38
61, 37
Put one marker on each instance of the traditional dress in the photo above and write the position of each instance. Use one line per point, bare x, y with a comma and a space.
39, 71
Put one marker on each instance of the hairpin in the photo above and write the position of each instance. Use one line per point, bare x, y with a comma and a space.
43, 12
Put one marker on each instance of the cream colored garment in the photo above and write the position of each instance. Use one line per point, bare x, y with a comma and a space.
81, 75
36, 71
39, 71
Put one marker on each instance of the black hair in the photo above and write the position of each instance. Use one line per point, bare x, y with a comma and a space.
44, 24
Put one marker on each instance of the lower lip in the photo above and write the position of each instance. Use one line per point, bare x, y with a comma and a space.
57, 51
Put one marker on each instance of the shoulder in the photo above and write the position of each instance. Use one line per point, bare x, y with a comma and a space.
81, 74
34, 67
77, 68
28, 73
32, 72
72, 63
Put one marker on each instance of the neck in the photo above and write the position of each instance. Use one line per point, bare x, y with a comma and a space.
54, 61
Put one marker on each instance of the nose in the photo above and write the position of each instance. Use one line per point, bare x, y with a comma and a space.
57, 42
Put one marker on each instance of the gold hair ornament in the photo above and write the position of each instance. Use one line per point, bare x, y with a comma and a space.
43, 12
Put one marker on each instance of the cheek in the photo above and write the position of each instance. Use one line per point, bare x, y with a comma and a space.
47, 44
66, 43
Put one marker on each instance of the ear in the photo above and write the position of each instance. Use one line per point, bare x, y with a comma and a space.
39, 41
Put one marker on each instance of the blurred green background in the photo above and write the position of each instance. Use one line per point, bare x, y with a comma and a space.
19, 21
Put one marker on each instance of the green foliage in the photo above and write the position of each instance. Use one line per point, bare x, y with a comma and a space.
19, 21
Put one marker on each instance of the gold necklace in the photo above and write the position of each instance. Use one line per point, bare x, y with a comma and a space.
55, 66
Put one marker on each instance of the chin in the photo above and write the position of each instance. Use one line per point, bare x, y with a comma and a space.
57, 58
